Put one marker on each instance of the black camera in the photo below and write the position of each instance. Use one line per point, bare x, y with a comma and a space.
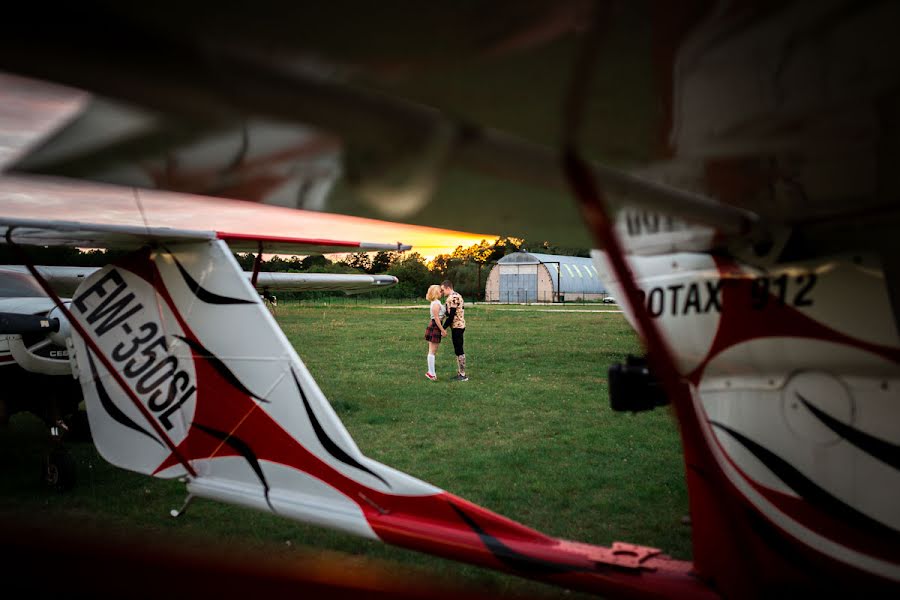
632, 387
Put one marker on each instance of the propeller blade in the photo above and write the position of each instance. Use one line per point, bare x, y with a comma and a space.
15, 323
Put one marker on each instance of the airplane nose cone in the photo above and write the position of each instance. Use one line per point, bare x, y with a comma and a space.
60, 336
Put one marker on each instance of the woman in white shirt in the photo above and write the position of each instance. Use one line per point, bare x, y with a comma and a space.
435, 331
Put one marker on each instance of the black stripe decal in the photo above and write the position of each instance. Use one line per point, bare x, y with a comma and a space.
516, 560
111, 409
204, 294
812, 493
327, 443
244, 450
218, 365
883, 451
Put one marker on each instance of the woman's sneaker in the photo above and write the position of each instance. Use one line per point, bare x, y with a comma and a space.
460, 378
431, 377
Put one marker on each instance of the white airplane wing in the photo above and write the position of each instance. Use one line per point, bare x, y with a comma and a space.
323, 282
87, 234
65, 280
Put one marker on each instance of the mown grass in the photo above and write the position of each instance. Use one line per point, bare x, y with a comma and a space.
530, 436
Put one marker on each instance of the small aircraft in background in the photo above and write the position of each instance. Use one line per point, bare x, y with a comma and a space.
758, 209
35, 340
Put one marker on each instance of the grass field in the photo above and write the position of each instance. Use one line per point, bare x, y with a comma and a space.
530, 436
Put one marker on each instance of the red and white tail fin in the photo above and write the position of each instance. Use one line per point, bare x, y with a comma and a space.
185, 372
204, 383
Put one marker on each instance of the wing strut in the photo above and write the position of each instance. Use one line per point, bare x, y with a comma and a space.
256, 264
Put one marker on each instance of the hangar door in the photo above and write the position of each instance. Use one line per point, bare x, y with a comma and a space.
518, 283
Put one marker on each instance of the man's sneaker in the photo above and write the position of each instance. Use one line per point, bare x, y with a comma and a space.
431, 377
460, 378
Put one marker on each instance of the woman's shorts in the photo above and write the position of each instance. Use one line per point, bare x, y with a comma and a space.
433, 333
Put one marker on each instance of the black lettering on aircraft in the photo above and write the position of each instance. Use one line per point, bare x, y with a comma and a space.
700, 298
110, 309
150, 366
164, 418
765, 291
639, 223
135, 367
692, 302
807, 281
713, 289
674, 289
144, 359
148, 331
656, 300
98, 288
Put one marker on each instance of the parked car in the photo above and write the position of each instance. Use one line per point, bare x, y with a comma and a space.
609, 300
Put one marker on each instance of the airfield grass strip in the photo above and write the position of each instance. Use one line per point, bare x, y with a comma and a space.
530, 436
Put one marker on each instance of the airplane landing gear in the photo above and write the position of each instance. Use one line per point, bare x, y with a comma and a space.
58, 471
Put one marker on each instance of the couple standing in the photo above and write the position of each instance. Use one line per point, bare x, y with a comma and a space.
453, 314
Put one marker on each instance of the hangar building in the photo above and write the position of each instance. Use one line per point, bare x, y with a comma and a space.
530, 277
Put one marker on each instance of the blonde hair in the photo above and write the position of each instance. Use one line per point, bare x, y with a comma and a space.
434, 292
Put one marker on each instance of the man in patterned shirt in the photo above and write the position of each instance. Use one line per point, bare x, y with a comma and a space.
456, 320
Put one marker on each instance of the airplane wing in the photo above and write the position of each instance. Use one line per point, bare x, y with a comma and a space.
98, 235
65, 280
323, 282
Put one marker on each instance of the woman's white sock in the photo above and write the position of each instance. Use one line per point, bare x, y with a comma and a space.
431, 364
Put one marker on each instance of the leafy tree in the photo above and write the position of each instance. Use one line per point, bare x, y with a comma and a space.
440, 264
60, 256
413, 274
333, 267
464, 276
246, 260
282, 264
551, 248
383, 261
504, 246
315, 261
359, 260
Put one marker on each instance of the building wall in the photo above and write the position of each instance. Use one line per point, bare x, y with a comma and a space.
518, 282
546, 291
492, 285
495, 292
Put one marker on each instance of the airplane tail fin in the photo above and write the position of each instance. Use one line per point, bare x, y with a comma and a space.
186, 373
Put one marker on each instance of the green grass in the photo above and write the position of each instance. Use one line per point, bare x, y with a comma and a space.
530, 436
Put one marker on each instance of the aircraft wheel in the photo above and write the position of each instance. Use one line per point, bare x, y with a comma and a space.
59, 470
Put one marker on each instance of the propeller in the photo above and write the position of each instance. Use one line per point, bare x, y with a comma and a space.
38, 342
16, 323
